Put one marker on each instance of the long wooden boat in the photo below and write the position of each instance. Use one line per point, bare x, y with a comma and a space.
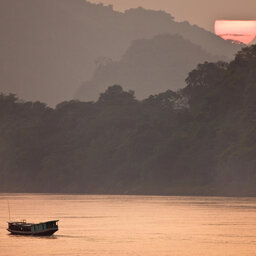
33, 229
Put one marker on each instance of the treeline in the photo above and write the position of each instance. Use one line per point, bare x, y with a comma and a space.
200, 140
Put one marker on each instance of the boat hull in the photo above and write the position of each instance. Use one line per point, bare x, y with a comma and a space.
40, 233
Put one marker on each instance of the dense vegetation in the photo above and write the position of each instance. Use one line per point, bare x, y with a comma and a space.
200, 140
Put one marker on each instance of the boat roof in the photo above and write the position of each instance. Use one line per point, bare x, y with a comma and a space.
24, 223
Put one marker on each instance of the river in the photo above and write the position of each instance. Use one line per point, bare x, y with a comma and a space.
103, 225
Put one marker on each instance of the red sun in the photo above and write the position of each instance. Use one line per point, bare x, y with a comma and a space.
243, 31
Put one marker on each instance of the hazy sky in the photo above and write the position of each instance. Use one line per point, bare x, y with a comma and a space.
200, 12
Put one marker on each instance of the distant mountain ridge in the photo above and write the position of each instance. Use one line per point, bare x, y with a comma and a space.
49, 47
149, 66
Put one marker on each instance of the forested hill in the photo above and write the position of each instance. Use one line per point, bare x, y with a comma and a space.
200, 140
49, 47
149, 66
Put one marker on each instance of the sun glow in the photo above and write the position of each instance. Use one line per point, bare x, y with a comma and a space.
236, 30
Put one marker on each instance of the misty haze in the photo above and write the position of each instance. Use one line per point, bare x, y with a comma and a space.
130, 127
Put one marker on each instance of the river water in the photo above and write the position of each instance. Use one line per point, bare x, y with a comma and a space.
132, 225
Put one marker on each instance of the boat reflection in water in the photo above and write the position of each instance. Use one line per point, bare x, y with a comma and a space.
33, 229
